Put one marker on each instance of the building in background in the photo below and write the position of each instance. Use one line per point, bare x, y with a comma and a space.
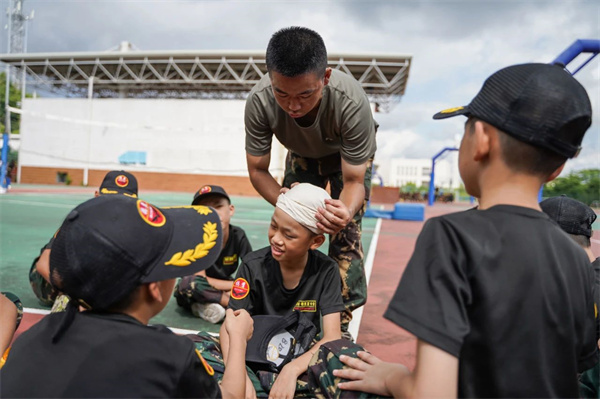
417, 171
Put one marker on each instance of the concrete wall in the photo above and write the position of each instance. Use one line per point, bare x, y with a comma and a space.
179, 136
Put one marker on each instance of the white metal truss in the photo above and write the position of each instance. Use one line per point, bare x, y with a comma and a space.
199, 74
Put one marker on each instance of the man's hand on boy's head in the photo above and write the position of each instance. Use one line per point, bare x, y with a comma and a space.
239, 322
367, 373
334, 217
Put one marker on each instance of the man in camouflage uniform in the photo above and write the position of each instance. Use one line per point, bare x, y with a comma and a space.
324, 119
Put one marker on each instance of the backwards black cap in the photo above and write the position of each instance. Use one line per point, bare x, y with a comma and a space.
573, 216
119, 182
109, 245
540, 104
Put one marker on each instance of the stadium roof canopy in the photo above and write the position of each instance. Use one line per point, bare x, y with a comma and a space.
192, 74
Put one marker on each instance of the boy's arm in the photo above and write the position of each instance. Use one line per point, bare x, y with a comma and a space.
435, 375
216, 283
238, 327
8, 322
285, 384
42, 265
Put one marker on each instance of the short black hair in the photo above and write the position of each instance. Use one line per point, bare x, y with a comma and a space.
523, 157
581, 240
295, 51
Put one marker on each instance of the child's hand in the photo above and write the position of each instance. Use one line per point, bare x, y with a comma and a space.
239, 322
284, 386
368, 374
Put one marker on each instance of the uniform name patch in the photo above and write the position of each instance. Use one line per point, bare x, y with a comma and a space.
240, 289
230, 260
306, 306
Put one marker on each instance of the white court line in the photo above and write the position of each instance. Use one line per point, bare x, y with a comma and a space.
40, 203
357, 314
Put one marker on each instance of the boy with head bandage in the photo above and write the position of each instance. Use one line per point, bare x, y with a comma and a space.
289, 275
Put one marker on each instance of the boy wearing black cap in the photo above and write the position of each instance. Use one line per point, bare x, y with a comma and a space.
115, 182
576, 218
498, 297
119, 257
207, 292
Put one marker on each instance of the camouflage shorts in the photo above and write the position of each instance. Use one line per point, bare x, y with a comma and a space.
210, 348
15, 299
195, 289
345, 246
321, 380
43, 290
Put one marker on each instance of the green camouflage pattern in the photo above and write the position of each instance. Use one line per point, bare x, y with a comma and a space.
589, 383
345, 246
210, 349
195, 289
321, 380
15, 299
43, 290
60, 304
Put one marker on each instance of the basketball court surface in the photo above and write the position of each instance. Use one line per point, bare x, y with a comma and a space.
30, 214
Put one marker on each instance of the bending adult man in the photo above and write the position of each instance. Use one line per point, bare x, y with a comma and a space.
323, 117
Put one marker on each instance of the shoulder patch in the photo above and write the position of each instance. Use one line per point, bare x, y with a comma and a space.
240, 289
207, 366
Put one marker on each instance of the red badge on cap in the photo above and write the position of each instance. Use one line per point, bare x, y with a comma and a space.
205, 189
150, 214
122, 181
240, 289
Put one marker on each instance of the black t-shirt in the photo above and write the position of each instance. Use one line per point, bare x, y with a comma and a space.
104, 355
259, 289
509, 294
237, 247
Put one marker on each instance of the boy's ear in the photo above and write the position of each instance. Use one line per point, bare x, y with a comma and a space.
557, 172
317, 241
231, 209
482, 139
154, 291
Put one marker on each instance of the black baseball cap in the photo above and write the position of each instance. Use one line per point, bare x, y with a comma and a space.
111, 244
573, 216
208, 191
119, 182
540, 104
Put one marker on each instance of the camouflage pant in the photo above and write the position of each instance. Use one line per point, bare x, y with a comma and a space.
15, 299
195, 289
345, 246
210, 348
43, 290
321, 380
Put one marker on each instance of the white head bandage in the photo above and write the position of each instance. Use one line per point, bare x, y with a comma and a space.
301, 202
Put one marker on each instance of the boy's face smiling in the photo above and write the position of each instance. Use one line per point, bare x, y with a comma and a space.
289, 240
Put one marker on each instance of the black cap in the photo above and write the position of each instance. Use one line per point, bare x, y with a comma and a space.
540, 104
111, 244
119, 182
208, 191
573, 216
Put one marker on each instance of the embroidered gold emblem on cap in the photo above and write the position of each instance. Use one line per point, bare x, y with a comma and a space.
191, 255
450, 110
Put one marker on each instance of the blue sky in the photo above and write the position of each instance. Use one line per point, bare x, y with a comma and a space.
455, 45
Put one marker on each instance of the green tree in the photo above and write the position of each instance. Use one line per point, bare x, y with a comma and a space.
583, 185
14, 100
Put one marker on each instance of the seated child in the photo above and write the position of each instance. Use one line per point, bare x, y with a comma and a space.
119, 258
206, 293
115, 182
288, 275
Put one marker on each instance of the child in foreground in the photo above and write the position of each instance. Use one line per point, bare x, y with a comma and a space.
119, 257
